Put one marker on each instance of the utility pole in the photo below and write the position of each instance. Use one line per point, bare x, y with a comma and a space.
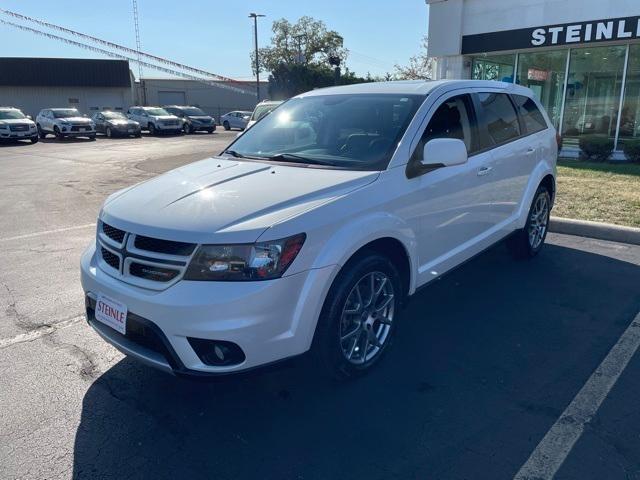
255, 37
143, 89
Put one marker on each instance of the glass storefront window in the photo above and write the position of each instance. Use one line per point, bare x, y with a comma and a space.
630, 118
493, 67
544, 72
593, 92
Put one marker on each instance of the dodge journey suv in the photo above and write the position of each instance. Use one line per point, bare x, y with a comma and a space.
312, 228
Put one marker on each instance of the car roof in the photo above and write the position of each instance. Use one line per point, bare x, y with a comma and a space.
413, 87
60, 108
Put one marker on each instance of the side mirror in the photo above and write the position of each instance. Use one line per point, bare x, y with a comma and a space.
444, 152
438, 153
29, 117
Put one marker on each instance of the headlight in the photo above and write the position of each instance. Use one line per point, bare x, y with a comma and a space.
258, 261
3, 125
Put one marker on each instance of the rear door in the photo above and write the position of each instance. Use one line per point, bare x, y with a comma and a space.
512, 154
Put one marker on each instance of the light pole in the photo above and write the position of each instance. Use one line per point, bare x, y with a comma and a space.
255, 36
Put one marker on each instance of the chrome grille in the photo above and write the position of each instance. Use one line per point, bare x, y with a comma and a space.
110, 259
19, 127
163, 246
143, 261
113, 233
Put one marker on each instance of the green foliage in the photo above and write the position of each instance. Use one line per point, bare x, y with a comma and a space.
306, 42
596, 147
286, 81
631, 149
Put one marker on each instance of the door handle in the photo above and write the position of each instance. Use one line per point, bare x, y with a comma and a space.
531, 150
484, 171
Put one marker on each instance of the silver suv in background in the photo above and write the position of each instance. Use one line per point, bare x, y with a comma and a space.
15, 125
64, 122
193, 118
263, 108
155, 119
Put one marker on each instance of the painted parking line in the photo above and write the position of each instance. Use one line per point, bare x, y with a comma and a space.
47, 232
551, 452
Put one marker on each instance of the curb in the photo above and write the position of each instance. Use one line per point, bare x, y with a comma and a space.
601, 231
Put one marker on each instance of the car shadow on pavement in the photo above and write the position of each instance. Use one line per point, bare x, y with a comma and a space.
485, 361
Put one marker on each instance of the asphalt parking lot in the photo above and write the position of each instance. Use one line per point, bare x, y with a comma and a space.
486, 361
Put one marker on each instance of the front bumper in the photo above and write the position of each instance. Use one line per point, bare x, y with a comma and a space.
269, 320
18, 135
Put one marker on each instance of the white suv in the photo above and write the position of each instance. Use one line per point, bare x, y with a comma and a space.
312, 228
15, 125
155, 119
64, 122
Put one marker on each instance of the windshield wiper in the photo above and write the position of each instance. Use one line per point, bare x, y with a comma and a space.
292, 157
233, 153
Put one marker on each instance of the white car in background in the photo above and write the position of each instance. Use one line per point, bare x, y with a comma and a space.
155, 119
15, 125
263, 108
64, 122
237, 119
313, 227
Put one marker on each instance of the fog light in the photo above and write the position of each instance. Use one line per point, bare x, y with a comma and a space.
217, 353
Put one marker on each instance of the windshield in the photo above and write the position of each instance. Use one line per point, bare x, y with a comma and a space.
66, 113
359, 131
156, 111
114, 115
262, 110
194, 112
11, 115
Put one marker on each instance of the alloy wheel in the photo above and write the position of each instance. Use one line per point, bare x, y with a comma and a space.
367, 317
538, 220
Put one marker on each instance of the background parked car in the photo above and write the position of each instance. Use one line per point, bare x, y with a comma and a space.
64, 122
115, 124
237, 119
193, 119
155, 119
263, 108
15, 125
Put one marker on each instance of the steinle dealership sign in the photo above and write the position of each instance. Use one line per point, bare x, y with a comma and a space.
552, 35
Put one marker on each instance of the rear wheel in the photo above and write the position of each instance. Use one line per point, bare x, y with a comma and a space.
526, 243
358, 318
226, 125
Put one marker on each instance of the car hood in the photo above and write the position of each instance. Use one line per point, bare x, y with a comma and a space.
201, 118
75, 119
122, 122
221, 200
164, 117
17, 121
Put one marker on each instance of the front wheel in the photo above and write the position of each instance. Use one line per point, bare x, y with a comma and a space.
34, 139
358, 318
152, 129
57, 133
526, 243
41, 133
226, 125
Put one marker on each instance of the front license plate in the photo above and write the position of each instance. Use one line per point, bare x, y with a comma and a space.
112, 313
131, 130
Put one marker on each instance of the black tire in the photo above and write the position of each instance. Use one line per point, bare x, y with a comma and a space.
41, 133
92, 137
138, 135
522, 244
211, 130
57, 133
187, 129
34, 139
328, 348
152, 129
226, 125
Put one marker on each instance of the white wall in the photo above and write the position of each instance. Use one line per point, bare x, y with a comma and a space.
32, 99
449, 20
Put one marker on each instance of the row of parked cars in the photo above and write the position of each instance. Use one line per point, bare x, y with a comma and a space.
171, 119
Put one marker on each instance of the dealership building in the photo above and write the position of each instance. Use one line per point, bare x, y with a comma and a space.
580, 57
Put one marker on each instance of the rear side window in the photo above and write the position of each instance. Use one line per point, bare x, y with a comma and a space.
500, 117
453, 119
532, 119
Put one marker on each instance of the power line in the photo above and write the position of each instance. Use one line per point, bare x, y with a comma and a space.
121, 56
115, 46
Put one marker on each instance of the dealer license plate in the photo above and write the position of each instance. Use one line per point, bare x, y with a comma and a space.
112, 313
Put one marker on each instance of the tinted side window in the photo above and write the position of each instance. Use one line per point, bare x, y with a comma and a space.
500, 117
453, 119
532, 119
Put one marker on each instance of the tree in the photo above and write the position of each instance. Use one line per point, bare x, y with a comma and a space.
420, 66
306, 42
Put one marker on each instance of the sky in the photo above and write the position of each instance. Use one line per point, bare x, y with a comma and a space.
217, 36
